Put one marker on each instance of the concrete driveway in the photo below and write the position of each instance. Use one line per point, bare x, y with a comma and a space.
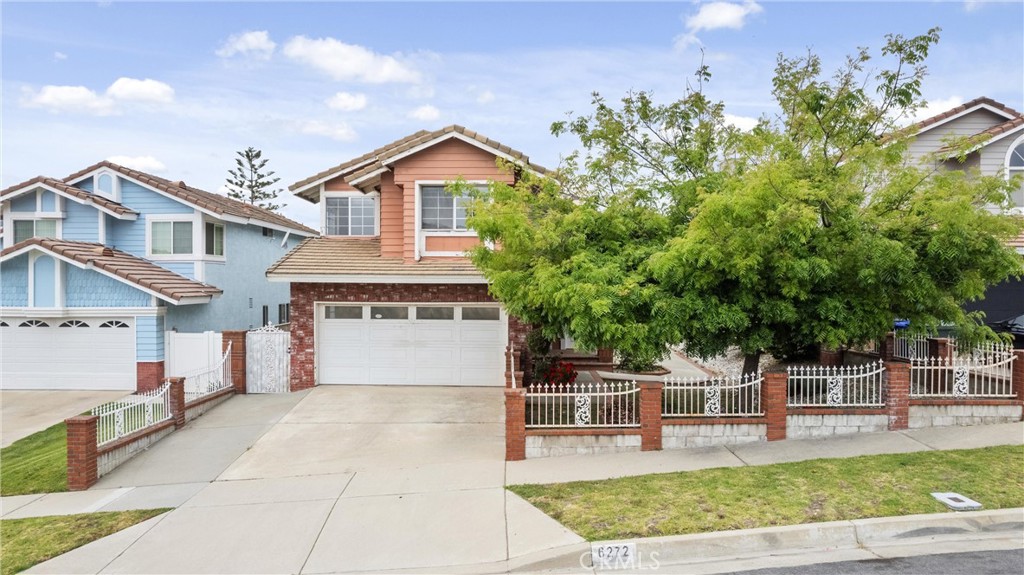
352, 479
23, 413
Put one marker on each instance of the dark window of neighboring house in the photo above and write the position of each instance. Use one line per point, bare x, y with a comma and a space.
284, 312
268, 233
266, 314
214, 239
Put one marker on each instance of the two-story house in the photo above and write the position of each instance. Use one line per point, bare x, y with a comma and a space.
384, 295
995, 134
96, 267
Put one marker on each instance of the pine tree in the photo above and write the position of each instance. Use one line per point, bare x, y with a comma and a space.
248, 183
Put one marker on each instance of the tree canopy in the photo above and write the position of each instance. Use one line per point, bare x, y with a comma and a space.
814, 228
247, 182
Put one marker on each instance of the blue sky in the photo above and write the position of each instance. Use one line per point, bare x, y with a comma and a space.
177, 88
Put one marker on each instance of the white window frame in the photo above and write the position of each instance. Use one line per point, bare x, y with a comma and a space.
58, 280
375, 196
115, 187
197, 236
422, 235
1011, 172
10, 216
210, 257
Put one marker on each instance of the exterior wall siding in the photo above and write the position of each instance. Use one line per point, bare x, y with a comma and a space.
14, 282
187, 269
89, 288
967, 125
24, 203
392, 221
130, 236
149, 338
305, 295
445, 161
44, 276
81, 222
248, 254
48, 202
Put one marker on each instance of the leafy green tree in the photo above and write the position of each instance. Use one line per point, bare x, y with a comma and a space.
811, 229
247, 182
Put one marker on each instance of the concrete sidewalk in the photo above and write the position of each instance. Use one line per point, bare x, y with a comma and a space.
24, 412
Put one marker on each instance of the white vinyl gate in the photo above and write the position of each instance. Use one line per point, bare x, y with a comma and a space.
266, 360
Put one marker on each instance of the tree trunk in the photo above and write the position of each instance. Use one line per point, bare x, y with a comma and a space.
751, 361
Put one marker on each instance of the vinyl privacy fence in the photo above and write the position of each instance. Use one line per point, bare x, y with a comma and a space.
606, 404
134, 413
737, 396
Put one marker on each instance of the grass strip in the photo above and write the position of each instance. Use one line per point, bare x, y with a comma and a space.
27, 542
35, 464
781, 494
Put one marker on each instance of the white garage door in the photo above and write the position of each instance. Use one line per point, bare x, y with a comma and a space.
76, 353
442, 344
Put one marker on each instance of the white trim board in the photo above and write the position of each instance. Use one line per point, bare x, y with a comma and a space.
32, 187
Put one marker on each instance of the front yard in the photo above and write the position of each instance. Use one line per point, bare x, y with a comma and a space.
35, 464
781, 494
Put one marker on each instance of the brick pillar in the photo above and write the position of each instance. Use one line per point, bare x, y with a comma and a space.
830, 357
148, 375
513, 359
1018, 375
888, 350
177, 400
650, 415
896, 390
237, 359
773, 403
605, 355
81, 436
940, 347
515, 424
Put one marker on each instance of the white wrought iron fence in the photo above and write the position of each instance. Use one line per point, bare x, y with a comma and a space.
736, 396
210, 379
134, 413
835, 386
606, 404
988, 374
910, 346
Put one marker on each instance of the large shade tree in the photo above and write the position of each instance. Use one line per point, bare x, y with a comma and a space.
814, 228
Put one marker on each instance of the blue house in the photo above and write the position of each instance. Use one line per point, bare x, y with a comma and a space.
96, 267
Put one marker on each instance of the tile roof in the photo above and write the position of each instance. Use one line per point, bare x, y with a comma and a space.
361, 256
216, 203
99, 201
918, 126
379, 158
133, 269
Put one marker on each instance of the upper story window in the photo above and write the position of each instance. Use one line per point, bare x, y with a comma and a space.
1015, 168
215, 239
171, 238
105, 184
353, 215
25, 229
440, 210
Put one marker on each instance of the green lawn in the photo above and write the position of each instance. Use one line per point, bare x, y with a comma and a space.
781, 494
35, 464
27, 542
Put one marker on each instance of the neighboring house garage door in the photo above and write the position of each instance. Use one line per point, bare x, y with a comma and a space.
437, 344
69, 353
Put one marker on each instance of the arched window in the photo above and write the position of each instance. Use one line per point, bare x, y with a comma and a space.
34, 323
105, 185
1015, 168
74, 323
113, 323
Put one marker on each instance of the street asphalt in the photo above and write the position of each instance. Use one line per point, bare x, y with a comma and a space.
1007, 562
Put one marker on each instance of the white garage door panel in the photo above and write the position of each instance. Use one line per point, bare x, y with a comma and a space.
68, 357
411, 352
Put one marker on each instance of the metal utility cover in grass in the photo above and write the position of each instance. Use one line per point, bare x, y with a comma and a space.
957, 502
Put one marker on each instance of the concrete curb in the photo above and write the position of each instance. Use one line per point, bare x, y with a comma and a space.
833, 535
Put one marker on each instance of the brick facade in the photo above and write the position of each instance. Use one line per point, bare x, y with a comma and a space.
830, 357
306, 295
773, 403
237, 359
940, 347
1018, 376
896, 386
177, 397
515, 424
149, 375
81, 437
650, 415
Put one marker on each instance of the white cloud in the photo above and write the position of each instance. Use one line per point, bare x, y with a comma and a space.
425, 113
337, 131
972, 5
420, 91
58, 56
346, 102
68, 99
743, 123
343, 61
485, 97
141, 163
714, 16
150, 91
256, 43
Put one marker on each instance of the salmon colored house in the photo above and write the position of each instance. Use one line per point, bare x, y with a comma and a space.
385, 294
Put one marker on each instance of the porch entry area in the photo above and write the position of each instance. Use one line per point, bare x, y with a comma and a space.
411, 344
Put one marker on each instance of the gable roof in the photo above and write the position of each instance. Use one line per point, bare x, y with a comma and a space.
132, 270
983, 102
366, 166
217, 204
107, 205
333, 259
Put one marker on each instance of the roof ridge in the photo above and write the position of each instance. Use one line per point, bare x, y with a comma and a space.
934, 119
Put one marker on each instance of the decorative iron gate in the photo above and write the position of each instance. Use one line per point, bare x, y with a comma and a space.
266, 352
